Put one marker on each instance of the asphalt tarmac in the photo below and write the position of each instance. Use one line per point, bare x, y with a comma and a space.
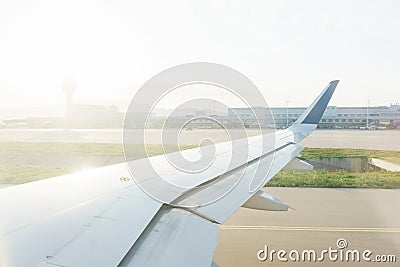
368, 219
368, 139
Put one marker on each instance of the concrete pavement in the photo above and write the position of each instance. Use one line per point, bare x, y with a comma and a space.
384, 140
365, 218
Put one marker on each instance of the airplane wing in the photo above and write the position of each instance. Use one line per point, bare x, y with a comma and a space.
101, 217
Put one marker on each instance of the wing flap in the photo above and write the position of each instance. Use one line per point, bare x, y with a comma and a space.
225, 206
175, 237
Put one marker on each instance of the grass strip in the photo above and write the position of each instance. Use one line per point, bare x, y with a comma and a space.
393, 156
338, 179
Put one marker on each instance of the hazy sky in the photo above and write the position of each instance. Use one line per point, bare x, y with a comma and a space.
289, 49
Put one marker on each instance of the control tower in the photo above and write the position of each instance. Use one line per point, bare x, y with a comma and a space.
69, 87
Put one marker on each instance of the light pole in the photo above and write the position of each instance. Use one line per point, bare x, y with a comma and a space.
287, 113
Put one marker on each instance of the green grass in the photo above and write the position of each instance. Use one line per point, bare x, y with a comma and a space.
389, 155
87, 149
65, 148
342, 179
19, 174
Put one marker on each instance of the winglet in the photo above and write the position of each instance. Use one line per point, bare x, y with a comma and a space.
313, 114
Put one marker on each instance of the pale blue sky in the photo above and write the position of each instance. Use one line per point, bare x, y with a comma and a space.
289, 49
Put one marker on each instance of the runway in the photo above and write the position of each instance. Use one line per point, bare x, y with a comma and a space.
309, 229
365, 218
367, 139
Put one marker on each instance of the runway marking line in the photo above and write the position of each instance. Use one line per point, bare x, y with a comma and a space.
309, 228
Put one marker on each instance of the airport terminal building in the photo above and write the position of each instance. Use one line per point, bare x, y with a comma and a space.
93, 116
334, 117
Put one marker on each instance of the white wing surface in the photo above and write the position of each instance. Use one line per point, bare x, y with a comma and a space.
102, 218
